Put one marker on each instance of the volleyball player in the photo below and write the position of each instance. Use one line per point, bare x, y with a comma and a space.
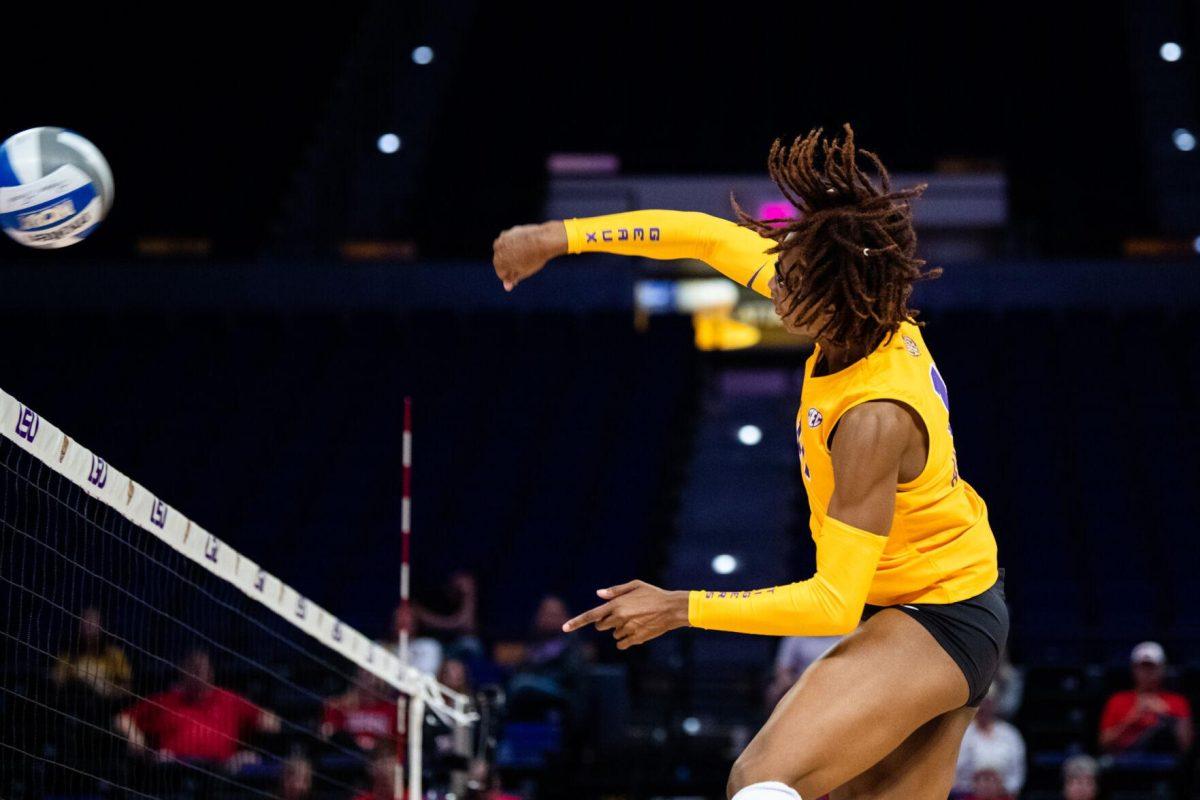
906, 558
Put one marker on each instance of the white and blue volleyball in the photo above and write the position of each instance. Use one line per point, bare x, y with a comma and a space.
55, 187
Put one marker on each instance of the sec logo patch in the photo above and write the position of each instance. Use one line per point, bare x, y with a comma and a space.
911, 346
814, 418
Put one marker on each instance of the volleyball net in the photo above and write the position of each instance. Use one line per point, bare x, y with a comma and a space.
142, 656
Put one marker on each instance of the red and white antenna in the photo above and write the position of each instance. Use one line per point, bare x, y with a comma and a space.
406, 705
405, 530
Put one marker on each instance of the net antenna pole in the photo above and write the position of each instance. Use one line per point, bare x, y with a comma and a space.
416, 727
407, 708
405, 530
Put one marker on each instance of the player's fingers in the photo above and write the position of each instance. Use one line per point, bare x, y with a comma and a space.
617, 591
627, 642
586, 618
633, 639
610, 621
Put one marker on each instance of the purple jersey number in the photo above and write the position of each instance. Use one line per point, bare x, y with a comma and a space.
939, 385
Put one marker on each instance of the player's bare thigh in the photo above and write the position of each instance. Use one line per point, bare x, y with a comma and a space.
921, 768
853, 707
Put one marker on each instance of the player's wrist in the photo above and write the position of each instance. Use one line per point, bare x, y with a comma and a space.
680, 602
553, 237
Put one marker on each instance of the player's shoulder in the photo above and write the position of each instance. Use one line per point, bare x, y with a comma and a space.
877, 421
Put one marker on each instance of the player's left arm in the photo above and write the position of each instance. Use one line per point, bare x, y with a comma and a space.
871, 440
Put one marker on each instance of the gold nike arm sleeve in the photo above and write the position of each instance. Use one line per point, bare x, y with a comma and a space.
736, 252
829, 603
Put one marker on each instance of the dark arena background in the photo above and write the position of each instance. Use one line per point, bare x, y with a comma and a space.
204, 452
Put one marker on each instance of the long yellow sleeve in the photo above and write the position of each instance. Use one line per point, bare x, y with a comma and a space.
736, 252
829, 603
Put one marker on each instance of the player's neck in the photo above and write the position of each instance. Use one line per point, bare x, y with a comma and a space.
835, 357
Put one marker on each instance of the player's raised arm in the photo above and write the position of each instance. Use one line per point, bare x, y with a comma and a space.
738, 253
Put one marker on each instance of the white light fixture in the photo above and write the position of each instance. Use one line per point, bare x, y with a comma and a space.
724, 564
422, 55
749, 435
388, 143
1170, 51
691, 726
1184, 139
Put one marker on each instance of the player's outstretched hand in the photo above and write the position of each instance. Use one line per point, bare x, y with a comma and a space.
636, 612
523, 250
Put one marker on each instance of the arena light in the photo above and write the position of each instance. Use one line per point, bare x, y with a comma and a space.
1196, 245
1170, 51
1184, 139
724, 564
422, 55
749, 435
691, 726
388, 143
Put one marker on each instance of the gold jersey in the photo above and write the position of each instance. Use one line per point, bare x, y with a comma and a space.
940, 548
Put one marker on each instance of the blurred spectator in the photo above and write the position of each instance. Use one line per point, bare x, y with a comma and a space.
1079, 778
365, 713
484, 783
445, 745
990, 744
424, 652
1010, 683
549, 673
96, 663
794, 656
459, 628
195, 720
1146, 718
988, 784
381, 776
454, 675
295, 779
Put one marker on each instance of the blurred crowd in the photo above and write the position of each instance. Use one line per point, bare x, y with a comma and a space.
198, 723
1145, 732
198, 726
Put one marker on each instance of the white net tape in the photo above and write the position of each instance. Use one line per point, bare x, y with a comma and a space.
38, 507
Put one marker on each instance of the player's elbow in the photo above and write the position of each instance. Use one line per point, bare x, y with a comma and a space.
842, 608
835, 621
844, 621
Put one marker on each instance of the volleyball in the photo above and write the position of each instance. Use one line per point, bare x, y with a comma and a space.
55, 187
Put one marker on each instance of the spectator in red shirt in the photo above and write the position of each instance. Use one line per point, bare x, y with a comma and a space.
365, 713
1143, 718
195, 720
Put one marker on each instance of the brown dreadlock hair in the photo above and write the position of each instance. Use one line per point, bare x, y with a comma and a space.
854, 240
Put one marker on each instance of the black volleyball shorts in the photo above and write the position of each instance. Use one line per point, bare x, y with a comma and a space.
972, 631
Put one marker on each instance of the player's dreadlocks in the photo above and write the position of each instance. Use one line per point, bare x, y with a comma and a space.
854, 242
